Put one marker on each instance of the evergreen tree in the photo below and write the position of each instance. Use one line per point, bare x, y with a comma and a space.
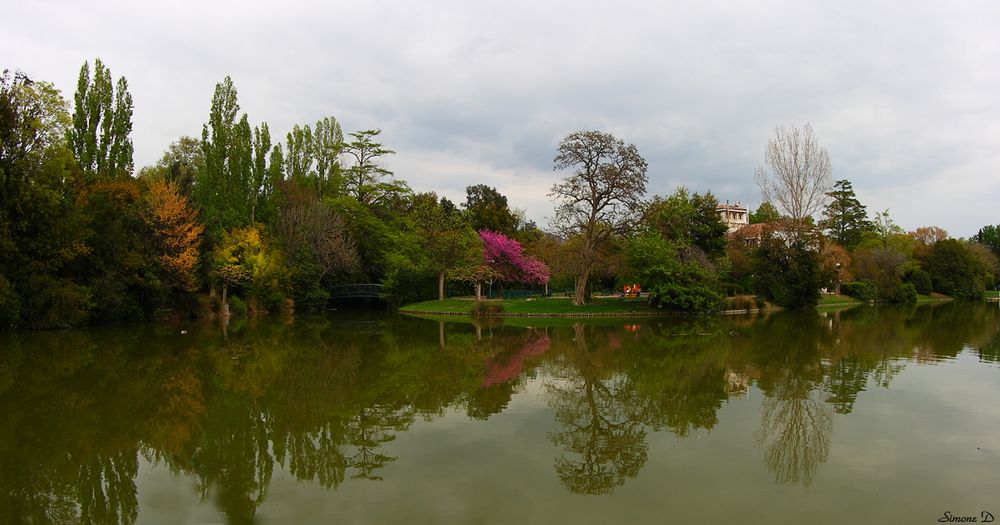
766, 212
989, 236
845, 218
368, 181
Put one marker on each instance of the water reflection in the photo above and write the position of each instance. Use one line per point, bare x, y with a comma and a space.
324, 399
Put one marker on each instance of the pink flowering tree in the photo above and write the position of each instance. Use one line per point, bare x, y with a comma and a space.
507, 258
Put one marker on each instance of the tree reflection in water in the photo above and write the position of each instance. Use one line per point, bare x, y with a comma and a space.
795, 430
609, 391
601, 425
324, 399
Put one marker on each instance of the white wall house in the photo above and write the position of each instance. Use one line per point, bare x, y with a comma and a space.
735, 216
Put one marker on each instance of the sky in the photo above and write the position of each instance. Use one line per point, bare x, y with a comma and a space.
904, 95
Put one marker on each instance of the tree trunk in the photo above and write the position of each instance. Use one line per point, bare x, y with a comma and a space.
580, 294
441, 286
224, 311
479, 291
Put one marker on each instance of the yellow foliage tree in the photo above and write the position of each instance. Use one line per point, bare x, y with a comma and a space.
178, 235
244, 258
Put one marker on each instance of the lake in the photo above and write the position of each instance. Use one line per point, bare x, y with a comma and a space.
887, 415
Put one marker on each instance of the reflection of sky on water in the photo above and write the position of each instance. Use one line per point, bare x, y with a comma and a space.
886, 463
881, 414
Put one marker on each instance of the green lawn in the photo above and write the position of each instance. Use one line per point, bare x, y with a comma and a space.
992, 293
836, 300
558, 306
932, 298
554, 306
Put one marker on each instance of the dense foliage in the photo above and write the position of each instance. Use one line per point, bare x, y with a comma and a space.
236, 221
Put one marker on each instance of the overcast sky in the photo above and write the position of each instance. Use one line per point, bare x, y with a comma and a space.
904, 95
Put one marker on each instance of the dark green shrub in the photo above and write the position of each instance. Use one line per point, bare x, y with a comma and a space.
863, 290
921, 281
955, 271
10, 305
909, 293
787, 272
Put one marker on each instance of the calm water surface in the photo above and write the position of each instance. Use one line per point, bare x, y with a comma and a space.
862, 416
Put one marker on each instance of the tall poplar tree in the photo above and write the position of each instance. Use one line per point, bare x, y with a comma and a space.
102, 124
313, 159
235, 186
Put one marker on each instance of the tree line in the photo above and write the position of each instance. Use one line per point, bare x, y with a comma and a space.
238, 221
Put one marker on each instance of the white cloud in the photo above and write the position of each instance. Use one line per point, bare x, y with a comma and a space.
903, 94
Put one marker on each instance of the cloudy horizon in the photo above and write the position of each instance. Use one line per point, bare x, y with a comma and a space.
903, 95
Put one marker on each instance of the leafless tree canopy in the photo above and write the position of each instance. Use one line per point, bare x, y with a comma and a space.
306, 223
801, 174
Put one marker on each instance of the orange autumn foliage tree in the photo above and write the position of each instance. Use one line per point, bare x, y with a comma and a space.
177, 235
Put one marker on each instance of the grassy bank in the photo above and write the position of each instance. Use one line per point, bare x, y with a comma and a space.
837, 300
555, 306
605, 306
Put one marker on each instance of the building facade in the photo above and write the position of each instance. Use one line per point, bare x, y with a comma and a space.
734, 216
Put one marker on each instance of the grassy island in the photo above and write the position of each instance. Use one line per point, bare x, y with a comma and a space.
554, 307
599, 307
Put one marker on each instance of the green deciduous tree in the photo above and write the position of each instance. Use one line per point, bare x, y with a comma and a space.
787, 271
487, 209
102, 123
675, 277
236, 184
41, 229
179, 165
689, 219
313, 158
445, 238
955, 270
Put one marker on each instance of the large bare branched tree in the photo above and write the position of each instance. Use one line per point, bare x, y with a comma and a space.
601, 198
800, 173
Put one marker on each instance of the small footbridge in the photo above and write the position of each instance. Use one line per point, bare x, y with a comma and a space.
358, 291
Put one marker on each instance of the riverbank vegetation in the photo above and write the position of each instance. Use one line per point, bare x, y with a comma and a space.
239, 221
